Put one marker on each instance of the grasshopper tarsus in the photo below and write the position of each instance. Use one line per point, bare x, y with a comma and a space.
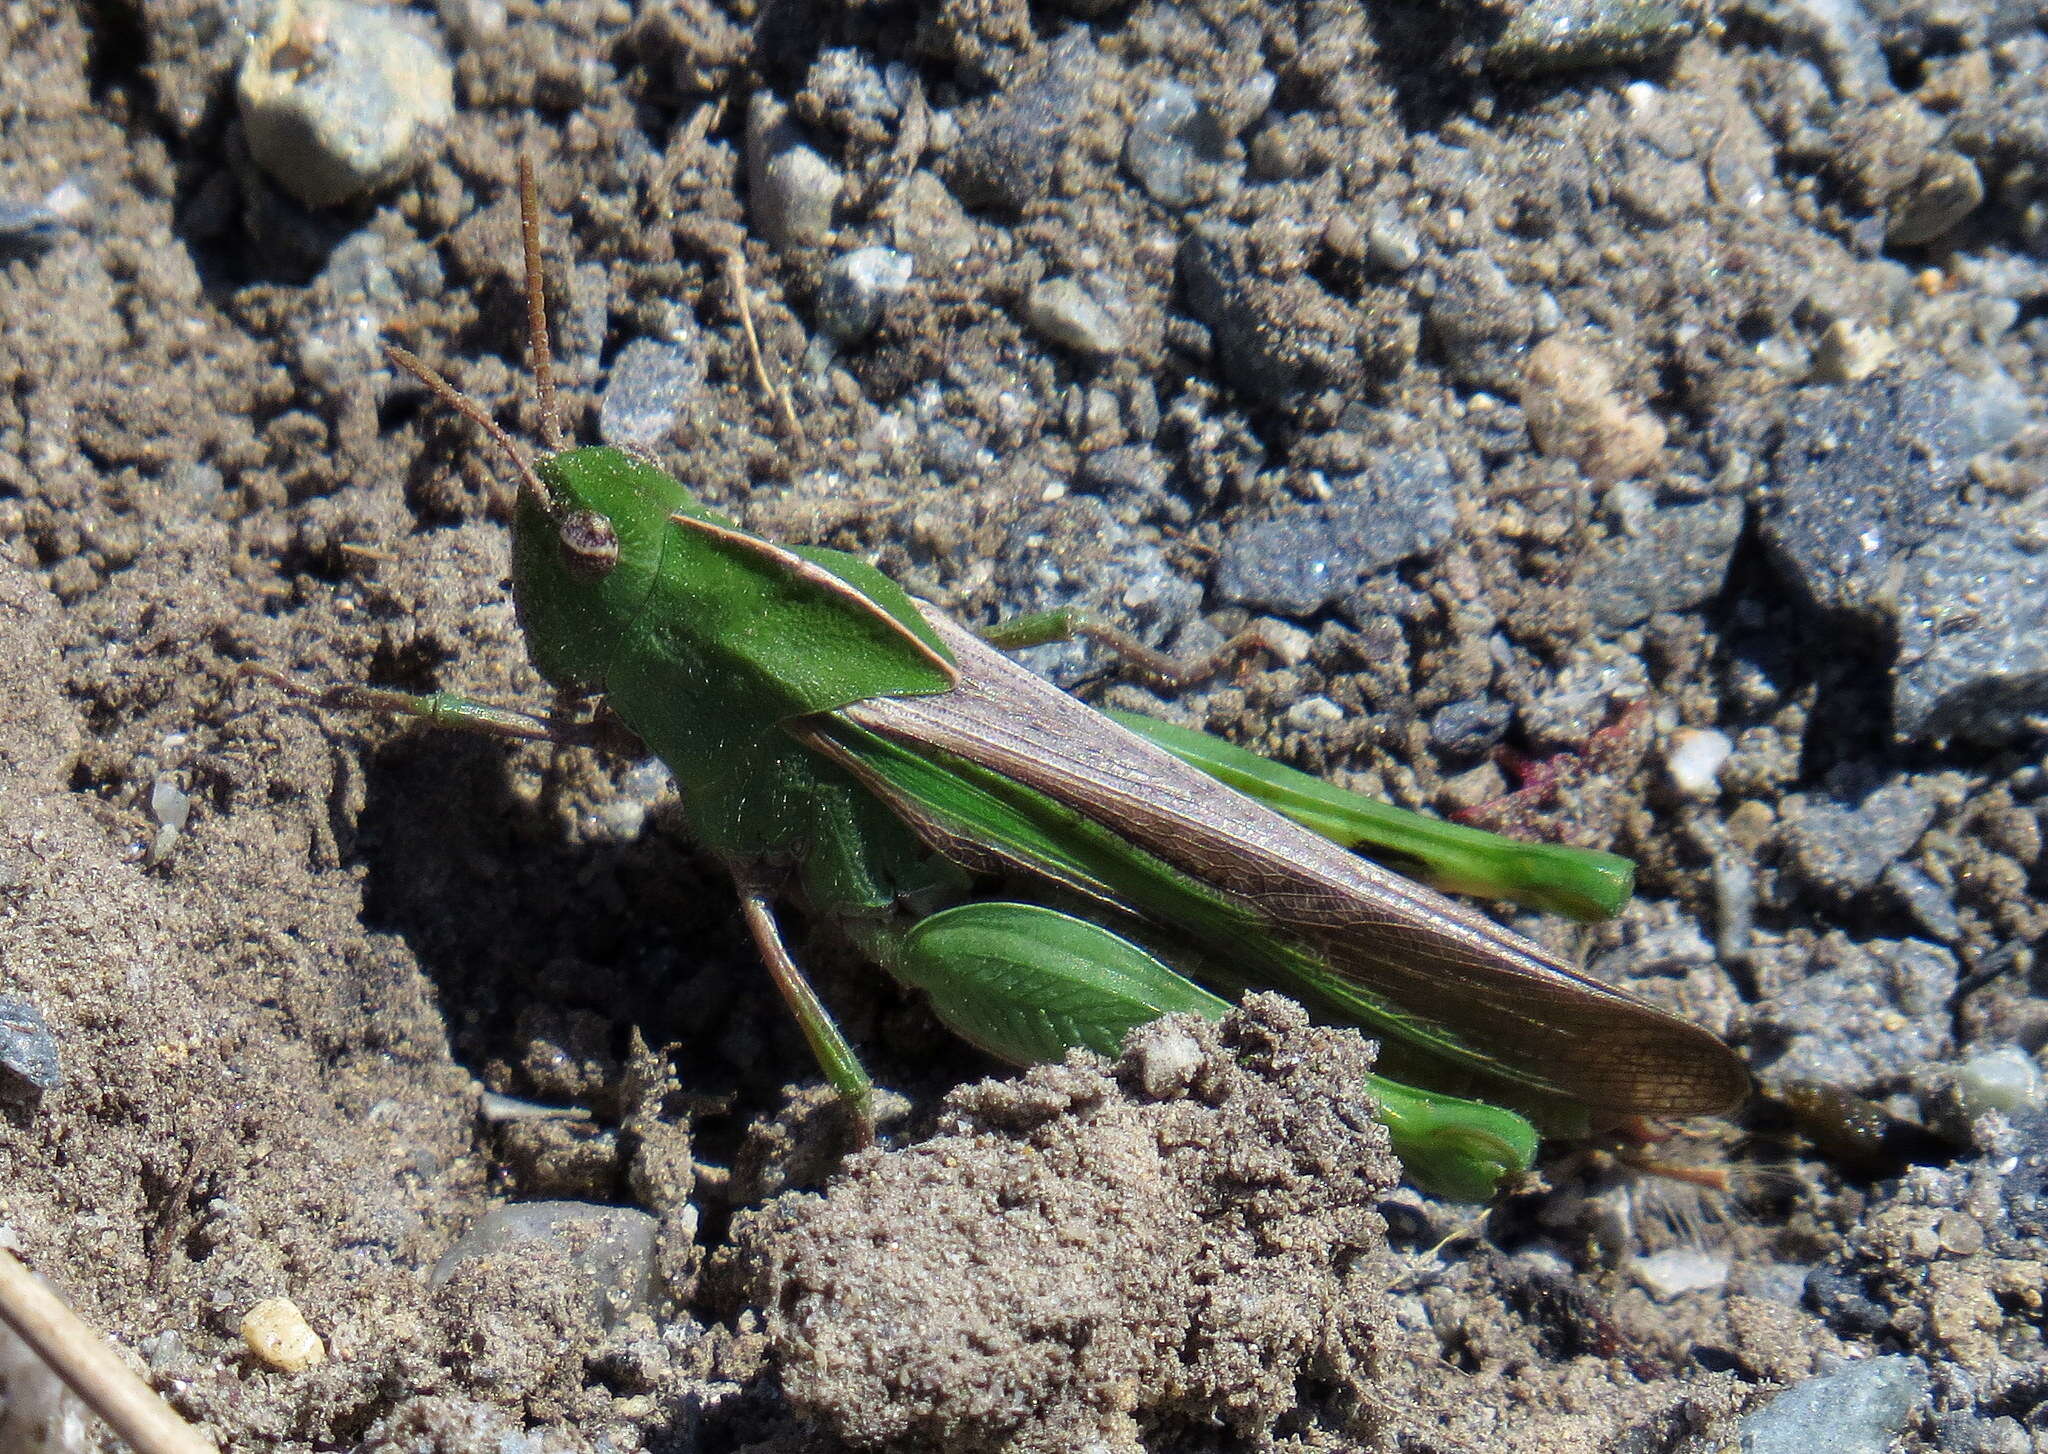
440, 709
1159, 668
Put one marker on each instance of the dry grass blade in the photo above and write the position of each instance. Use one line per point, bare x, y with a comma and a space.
83, 1360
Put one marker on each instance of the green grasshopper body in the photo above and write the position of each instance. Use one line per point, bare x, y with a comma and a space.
837, 742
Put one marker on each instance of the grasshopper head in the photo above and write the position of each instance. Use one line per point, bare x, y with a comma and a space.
585, 557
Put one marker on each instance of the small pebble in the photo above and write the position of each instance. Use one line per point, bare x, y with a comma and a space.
650, 380
1851, 350
1391, 242
171, 806
1062, 311
29, 1064
792, 188
278, 1334
1575, 410
2005, 1079
1695, 758
1858, 1409
857, 289
1289, 644
339, 100
1171, 146
1311, 713
1167, 1059
1469, 728
1948, 188
1678, 1270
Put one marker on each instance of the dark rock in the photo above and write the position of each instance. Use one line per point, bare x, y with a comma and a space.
1841, 846
857, 288
1010, 154
1275, 338
1669, 557
1863, 474
1299, 560
27, 229
1470, 728
1843, 1304
1973, 631
29, 1064
1865, 1017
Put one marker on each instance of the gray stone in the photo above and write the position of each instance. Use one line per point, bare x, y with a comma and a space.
1173, 147
338, 100
791, 187
1481, 323
1858, 1409
650, 380
1134, 474
928, 222
1470, 728
29, 1063
1390, 240
1670, 557
1075, 554
1863, 474
1843, 844
1299, 560
857, 289
1863, 1020
1275, 337
27, 229
606, 1253
1063, 311
1009, 155
1544, 37
1927, 901
1973, 631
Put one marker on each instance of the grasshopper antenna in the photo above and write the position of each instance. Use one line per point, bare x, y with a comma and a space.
541, 353
475, 413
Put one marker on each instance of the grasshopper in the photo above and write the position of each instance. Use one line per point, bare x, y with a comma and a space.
837, 742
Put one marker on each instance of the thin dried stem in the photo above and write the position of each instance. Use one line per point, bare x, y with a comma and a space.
540, 350
736, 280
83, 1360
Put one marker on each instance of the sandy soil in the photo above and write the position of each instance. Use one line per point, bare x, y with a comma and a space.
384, 981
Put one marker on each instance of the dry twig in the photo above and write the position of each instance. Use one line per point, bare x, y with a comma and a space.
83, 1360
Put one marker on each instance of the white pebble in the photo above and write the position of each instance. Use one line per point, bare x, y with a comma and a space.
1695, 758
2005, 1079
1678, 1270
278, 1334
339, 99
1310, 713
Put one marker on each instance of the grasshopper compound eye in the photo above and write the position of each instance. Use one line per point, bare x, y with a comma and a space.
590, 547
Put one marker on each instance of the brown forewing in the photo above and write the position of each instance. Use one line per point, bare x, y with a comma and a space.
1511, 1000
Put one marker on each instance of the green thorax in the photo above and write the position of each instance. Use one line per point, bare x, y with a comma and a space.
704, 639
